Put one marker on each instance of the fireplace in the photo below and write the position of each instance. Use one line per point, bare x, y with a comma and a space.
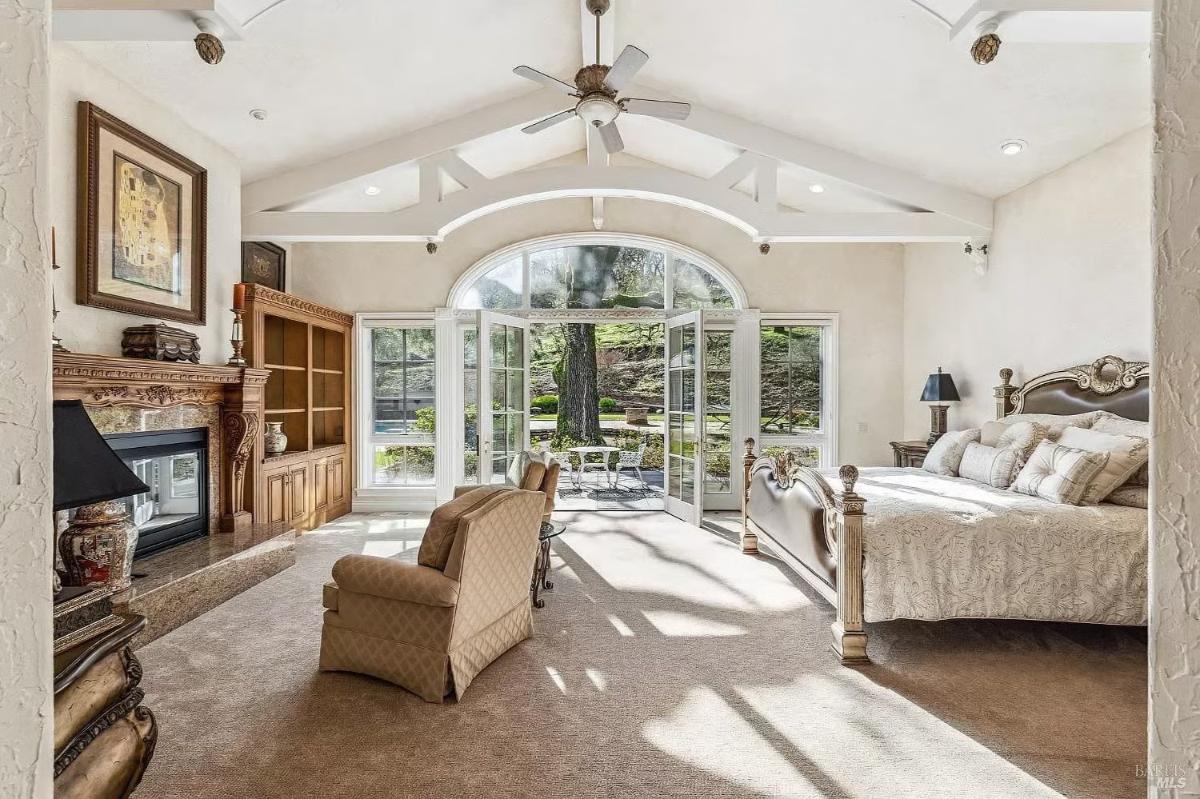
174, 463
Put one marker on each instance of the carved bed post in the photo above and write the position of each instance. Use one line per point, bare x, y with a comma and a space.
1004, 393
749, 539
849, 634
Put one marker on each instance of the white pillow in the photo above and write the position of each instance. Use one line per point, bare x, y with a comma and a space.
1059, 474
1126, 454
946, 453
1022, 436
1119, 425
994, 466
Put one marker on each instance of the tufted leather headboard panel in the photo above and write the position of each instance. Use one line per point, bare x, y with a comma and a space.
1107, 384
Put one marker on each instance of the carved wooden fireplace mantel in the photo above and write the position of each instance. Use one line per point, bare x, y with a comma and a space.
102, 381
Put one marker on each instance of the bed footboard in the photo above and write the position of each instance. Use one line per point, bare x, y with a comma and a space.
838, 523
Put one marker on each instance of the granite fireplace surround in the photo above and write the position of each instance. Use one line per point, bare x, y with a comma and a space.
125, 395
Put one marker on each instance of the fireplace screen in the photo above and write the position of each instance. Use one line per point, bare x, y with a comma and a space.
174, 464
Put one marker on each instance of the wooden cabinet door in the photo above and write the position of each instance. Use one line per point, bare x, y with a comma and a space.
320, 484
298, 493
277, 496
337, 478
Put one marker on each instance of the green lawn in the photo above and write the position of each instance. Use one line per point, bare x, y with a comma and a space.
604, 417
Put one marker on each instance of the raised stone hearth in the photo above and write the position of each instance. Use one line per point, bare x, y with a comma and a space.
173, 587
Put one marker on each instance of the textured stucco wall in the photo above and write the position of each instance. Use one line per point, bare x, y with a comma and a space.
84, 329
1069, 281
864, 283
26, 703
1174, 756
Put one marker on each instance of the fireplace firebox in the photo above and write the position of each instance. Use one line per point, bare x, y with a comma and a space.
174, 463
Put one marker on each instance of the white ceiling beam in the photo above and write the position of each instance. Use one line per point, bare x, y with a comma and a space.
141, 20
1111, 21
766, 183
736, 170
302, 182
434, 220
587, 28
889, 182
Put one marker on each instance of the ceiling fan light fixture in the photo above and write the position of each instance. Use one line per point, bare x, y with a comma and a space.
597, 110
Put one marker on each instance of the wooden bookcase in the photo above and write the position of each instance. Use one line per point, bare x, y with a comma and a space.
305, 348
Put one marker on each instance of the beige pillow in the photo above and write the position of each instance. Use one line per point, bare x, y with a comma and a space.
1059, 474
1054, 422
1022, 436
443, 525
1119, 425
946, 453
1126, 454
1130, 496
992, 466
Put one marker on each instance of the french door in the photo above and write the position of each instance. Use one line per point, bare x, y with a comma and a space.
503, 398
684, 419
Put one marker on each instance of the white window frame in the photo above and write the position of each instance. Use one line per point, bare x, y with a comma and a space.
369, 497
826, 437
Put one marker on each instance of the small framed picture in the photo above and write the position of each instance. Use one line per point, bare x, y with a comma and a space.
264, 263
142, 218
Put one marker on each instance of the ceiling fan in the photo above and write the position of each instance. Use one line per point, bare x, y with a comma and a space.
596, 86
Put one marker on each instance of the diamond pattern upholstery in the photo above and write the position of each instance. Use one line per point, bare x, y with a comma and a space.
433, 631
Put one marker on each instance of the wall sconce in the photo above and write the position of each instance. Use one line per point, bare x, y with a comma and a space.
431, 248
764, 248
977, 251
209, 47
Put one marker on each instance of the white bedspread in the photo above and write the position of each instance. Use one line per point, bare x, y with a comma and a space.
944, 547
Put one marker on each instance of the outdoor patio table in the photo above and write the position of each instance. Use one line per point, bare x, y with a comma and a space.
605, 452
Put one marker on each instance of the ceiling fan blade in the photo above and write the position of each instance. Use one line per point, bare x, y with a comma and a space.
625, 67
561, 116
611, 137
544, 79
663, 109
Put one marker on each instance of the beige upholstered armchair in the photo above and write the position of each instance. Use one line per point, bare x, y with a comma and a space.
538, 472
432, 626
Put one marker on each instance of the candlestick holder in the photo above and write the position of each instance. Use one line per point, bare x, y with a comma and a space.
237, 339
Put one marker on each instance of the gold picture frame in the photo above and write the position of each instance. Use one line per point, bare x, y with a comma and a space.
141, 222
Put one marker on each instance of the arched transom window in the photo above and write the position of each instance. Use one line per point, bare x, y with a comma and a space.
593, 273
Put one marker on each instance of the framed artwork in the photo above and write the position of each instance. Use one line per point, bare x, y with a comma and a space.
264, 263
141, 222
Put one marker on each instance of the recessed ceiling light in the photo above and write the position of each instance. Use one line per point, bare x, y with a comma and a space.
258, 113
371, 191
1014, 146
816, 188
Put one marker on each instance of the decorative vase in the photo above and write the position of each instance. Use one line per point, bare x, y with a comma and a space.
97, 548
274, 440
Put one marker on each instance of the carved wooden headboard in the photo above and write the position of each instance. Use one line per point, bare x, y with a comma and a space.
1107, 384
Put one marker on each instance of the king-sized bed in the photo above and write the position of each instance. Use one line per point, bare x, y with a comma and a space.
891, 543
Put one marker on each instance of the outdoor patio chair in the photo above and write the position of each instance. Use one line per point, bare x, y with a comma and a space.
563, 459
631, 459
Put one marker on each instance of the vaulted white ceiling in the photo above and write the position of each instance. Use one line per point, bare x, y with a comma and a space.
875, 78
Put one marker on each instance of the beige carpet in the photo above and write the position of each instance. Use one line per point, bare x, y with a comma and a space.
665, 664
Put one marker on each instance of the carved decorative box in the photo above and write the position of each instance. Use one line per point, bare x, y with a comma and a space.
159, 342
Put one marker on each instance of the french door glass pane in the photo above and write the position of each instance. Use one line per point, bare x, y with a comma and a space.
516, 390
499, 343
717, 349
498, 387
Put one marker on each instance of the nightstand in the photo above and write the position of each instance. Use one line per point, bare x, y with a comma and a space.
910, 453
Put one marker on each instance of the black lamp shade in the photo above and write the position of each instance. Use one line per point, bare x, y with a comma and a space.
940, 388
86, 470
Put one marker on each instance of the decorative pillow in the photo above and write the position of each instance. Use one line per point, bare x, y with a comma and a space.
1126, 454
1054, 422
994, 466
443, 525
1130, 496
946, 453
1022, 436
1059, 474
1119, 425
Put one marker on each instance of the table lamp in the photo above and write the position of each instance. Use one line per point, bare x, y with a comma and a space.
97, 547
939, 389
